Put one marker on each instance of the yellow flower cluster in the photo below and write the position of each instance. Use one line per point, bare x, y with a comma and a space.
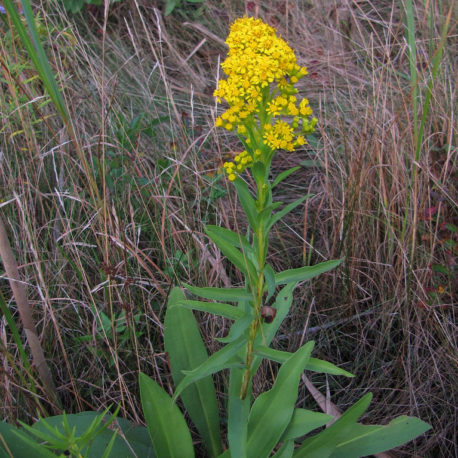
241, 162
262, 72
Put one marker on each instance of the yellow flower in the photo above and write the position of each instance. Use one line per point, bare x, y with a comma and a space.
261, 72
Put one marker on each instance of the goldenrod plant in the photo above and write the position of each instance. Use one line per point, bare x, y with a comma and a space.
267, 114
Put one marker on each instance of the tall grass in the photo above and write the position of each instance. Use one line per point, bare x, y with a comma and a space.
108, 177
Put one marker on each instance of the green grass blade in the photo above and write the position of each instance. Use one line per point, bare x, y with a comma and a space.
31, 41
16, 336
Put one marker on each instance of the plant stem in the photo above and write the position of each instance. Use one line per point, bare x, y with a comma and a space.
261, 236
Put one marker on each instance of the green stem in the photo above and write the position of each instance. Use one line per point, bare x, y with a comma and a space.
256, 323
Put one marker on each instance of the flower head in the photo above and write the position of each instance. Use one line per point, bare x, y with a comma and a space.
261, 72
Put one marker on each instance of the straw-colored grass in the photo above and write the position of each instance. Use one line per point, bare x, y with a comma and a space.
106, 214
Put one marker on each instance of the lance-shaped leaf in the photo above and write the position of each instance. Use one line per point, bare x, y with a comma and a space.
20, 444
282, 304
240, 260
238, 328
285, 451
369, 440
305, 273
233, 238
323, 444
314, 364
247, 201
302, 422
221, 294
220, 360
283, 175
270, 280
187, 351
166, 425
216, 308
325, 367
272, 411
237, 411
279, 215
348, 439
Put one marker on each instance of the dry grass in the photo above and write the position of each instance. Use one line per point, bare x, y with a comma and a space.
98, 271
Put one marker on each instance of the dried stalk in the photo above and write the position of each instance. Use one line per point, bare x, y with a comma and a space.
19, 293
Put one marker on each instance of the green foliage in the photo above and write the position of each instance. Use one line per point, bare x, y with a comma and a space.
89, 434
186, 351
348, 439
272, 411
166, 425
170, 5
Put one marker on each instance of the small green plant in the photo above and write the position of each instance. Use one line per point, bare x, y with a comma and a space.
170, 5
88, 434
266, 114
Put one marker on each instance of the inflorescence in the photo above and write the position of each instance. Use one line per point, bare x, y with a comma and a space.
263, 107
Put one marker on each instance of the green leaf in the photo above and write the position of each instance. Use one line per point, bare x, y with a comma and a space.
187, 351
311, 163
272, 411
270, 280
221, 294
36, 52
282, 304
220, 360
285, 451
259, 172
302, 422
314, 364
237, 329
324, 444
305, 273
283, 175
19, 445
369, 440
264, 215
89, 431
278, 356
279, 215
170, 6
166, 425
216, 308
233, 238
247, 202
325, 367
235, 256
237, 411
